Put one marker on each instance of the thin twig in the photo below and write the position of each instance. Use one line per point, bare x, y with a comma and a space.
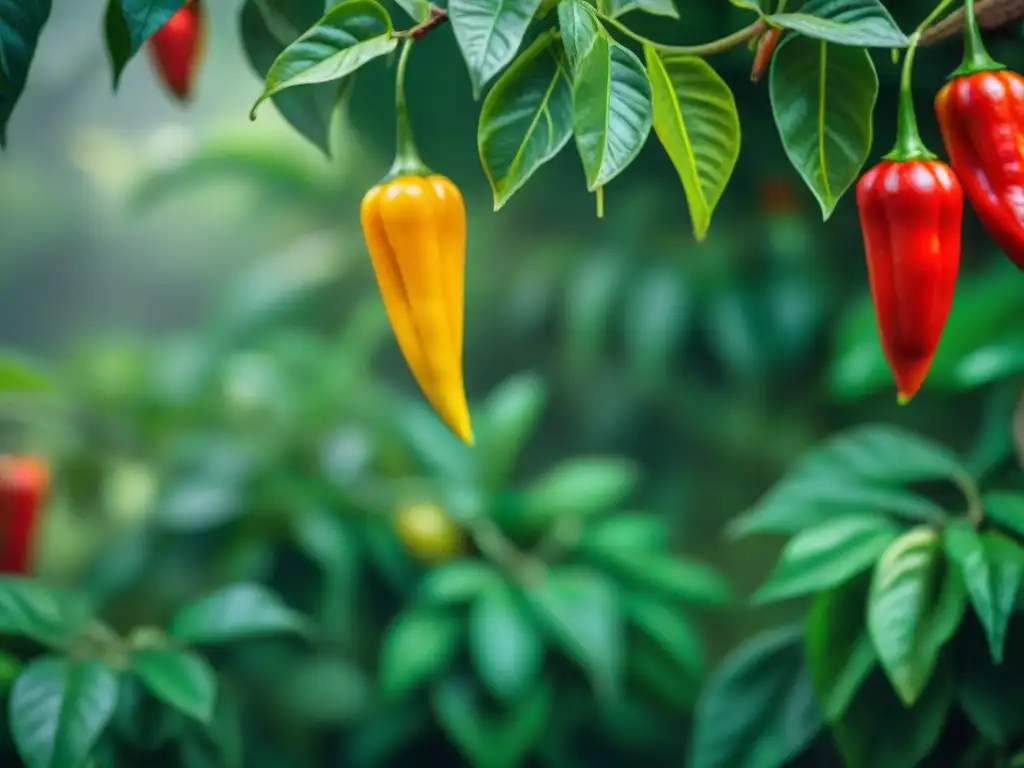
989, 13
437, 17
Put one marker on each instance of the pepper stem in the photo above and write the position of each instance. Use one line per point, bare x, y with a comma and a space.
407, 156
976, 56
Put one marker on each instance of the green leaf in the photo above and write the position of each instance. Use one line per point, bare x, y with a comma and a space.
417, 647
418, 10
309, 109
49, 615
23, 21
671, 631
580, 29
118, 40
502, 741
583, 612
758, 708
878, 730
18, 373
511, 414
144, 17
839, 651
525, 120
349, 35
671, 577
880, 453
181, 679
654, 7
695, 119
828, 555
914, 607
234, 613
631, 532
611, 109
823, 97
489, 33
798, 502
577, 488
504, 644
58, 710
992, 566
457, 581
1006, 509
863, 23
991, 694
658, 310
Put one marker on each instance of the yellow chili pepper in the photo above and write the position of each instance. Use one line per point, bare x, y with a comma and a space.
414, 222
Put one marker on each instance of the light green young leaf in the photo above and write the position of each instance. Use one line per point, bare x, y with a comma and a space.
347, 37
489, 33
504, 643
823, 98
525, 120
416, 647
696, 121
654, 7
914, 607
182, 679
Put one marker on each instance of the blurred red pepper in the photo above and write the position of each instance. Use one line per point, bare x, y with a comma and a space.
177, 48
981, 115
24, 483
911, 212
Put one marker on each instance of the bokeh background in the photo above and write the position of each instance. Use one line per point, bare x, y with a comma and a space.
198, 285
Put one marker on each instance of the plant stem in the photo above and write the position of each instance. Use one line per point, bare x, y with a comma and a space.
738, 38
407, 156
976, 57
975, 509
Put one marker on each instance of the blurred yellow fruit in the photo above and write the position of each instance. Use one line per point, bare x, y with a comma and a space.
428, 533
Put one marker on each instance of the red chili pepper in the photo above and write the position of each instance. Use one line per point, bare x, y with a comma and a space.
177, 48
766, 46
911, 210
24, 482
981, 116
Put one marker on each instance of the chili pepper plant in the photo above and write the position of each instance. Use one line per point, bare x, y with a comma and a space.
241, 547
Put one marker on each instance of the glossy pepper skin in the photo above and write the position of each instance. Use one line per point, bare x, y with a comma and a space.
981, 115
24, 482
178, 47
910, 215
415, 230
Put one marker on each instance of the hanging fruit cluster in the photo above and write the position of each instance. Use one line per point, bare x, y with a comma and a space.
911, 203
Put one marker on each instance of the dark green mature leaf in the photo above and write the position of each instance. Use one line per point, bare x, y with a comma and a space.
502, 741
758, 709
504, 643
510, 417
653, 7
308, 109
19, 373
181, 679
798, 502
489, 33
847, 22
526, 118
823, 97
992, 566
417, 647
695, 119
877, 729
580, 29
1006, 509
828, 555
235, 613
583, 612
611, 110
21, 22
671, 630
839, 652
578, 487
144, 17
348, 36
48, 615
58, 710
991, 694
670, 576
914, 607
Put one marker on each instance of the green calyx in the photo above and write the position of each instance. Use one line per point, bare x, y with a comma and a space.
407, 157
976, 56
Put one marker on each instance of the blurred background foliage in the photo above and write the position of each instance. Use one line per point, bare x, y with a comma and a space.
230, 405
